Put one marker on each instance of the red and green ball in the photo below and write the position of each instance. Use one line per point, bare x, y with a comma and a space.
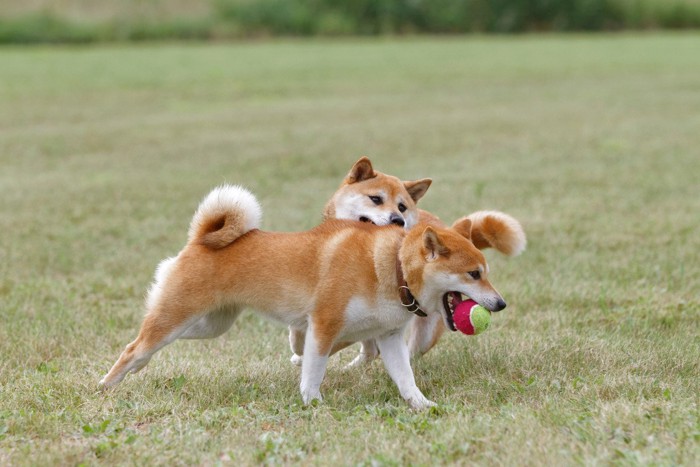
471, 318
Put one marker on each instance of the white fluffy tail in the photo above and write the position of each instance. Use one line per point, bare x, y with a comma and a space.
497, 230
226, 213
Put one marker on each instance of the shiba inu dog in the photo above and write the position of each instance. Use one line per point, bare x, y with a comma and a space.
342, 281
370, 196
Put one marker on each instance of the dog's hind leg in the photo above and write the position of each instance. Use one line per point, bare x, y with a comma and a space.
368, 352
297, 337
160, 327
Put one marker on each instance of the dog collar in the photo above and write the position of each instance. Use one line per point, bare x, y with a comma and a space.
405, 295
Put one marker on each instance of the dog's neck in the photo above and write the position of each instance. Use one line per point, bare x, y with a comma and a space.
405, 295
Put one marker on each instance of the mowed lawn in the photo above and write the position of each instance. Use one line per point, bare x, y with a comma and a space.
593, 142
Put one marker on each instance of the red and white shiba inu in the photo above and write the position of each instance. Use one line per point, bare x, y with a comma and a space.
341, 281
370, 196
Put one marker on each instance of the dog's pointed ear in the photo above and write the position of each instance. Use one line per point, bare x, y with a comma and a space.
362, 170
417, 188
463, 227
434, 247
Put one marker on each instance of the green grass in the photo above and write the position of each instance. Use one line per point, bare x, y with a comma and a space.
591, 141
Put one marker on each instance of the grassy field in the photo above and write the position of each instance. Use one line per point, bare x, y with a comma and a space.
591, 141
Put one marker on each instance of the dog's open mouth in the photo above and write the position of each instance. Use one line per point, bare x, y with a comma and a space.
366, 219
450, 301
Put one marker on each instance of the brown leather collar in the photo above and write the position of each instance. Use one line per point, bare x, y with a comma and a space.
405, 295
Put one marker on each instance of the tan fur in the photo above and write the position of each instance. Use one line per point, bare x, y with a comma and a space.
339, 278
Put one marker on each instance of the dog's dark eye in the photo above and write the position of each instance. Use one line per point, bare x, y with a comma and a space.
476, 275
402, 207
376, 200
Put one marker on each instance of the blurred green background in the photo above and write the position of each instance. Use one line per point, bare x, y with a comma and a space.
33, 21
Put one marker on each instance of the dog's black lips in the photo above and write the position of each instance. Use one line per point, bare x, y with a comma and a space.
366, 219
448, 311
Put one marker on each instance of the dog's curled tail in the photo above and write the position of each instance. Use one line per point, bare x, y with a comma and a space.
226, 213
497, 230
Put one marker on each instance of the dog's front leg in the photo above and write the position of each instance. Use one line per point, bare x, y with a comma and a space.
394, 352
313, 367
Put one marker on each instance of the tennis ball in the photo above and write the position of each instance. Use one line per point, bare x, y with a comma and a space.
471, 318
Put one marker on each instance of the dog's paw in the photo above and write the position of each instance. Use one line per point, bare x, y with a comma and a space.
103, 385
420, 403
311, 397
296, 359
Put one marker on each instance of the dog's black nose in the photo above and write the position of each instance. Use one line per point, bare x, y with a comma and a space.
397, 220
500, 304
